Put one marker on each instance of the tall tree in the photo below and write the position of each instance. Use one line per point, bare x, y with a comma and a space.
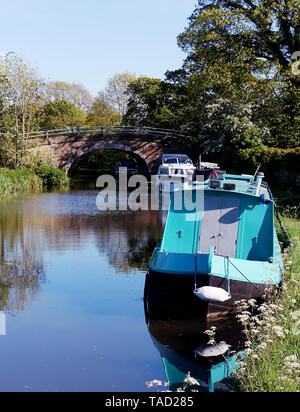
242, 49
60, 114
21, 90
115, 94
149, 103
102, 114
71, 92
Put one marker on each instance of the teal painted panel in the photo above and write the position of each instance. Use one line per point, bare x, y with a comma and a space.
244, 271
182, 228
185, 264
256, 234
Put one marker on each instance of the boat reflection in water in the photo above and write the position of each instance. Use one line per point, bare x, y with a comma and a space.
184, 350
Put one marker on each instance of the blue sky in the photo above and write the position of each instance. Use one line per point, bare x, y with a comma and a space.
89, 41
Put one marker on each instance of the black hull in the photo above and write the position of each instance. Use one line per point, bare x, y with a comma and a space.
172, 296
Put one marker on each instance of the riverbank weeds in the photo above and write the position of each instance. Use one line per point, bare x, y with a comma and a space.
272, 331
16, 182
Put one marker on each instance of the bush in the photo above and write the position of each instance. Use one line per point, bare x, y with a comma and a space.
281, 166
13, 182
52, 178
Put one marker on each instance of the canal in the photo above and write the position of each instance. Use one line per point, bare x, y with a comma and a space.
71, 300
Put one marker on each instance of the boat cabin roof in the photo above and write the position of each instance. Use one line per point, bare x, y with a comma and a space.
175, 158
170, 156
239, 184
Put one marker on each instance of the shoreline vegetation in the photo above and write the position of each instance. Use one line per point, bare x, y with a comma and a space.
273, 329
21, 181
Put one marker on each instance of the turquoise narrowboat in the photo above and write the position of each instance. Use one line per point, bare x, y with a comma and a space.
219, 246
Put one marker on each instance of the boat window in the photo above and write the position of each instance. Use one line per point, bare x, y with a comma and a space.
185, 161
164, 171
170, 161
179, 172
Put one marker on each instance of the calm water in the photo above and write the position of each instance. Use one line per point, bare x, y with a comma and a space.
71, 288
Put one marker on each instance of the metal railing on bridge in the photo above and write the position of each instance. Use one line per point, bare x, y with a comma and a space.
137, 131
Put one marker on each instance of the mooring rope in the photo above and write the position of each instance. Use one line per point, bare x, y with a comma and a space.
253, 284
283, 229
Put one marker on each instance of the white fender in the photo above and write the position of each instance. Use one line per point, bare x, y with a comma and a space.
212, 294
208, 351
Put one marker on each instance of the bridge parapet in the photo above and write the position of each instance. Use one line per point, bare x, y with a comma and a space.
65, 146
106, 130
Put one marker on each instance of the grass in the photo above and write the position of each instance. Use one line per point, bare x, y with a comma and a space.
273, 332
16, 182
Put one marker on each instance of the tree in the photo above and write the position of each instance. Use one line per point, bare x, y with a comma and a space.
242, 50
228, 129
21, 92
60, 114
115, 94
101, 114
71, 92
149, 103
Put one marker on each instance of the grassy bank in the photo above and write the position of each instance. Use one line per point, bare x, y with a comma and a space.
273, 333
16, 182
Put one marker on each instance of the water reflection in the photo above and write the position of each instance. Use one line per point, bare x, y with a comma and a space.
63, 222
183, 347
21, 264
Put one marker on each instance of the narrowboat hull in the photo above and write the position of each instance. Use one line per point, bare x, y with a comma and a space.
172, 296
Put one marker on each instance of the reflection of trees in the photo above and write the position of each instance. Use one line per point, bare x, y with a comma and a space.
68, 221
128, 239
56, 223
21, 268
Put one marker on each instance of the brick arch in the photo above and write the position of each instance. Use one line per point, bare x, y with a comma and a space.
141, 159
64, 150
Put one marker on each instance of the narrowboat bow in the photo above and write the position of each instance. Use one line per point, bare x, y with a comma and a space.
224, 249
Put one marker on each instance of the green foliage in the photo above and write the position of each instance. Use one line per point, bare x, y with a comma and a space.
114, 94
273, 362
52, 178
236, 94
101, 114
281, 166
14, 182
149, 103
21, 92
61, 114
228, 125
241, 50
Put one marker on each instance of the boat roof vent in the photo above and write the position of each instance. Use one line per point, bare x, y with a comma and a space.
229, 186
215, 184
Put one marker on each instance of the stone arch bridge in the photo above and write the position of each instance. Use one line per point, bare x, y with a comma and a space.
63, 147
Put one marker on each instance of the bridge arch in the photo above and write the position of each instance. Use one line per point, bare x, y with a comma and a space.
140, 161
63, 147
